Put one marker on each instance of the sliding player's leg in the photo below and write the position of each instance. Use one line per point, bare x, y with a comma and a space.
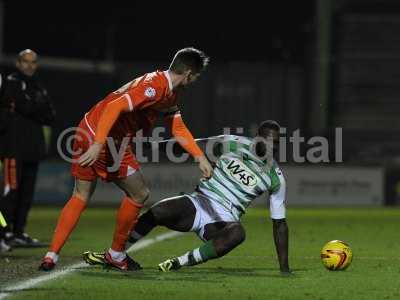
177, 213
217, 226
221, 238
226, 239
67, 220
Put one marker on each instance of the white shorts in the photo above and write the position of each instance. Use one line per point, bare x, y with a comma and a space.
208, 212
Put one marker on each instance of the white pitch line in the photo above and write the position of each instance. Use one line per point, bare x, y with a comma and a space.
27, 284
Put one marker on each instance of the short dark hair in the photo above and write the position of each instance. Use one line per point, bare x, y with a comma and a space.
267, 126
189, 59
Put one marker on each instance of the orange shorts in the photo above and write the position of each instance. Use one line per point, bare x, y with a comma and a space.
101, 167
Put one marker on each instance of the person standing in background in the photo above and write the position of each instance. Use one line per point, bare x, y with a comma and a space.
3, 121
26, 109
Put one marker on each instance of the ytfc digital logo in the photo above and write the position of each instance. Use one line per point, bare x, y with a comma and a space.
318, 148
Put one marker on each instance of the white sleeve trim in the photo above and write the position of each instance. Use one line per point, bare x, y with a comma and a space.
129, 101
88, 125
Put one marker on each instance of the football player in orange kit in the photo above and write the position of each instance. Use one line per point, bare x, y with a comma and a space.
133, 107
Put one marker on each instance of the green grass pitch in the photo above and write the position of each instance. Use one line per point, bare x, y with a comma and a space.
248, 272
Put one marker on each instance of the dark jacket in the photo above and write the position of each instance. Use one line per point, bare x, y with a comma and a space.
2, 109
25, 107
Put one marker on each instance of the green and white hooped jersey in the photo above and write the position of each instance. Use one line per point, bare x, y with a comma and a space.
240, 176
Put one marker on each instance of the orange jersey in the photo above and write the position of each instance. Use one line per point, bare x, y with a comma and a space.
143, 97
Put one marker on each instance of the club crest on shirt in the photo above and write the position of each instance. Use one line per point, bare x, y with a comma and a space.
150, 92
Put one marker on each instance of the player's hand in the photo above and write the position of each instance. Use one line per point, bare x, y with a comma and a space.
89, 157
205, 166
287, 272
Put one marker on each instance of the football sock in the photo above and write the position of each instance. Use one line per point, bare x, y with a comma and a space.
67, 221
198, 255
52, 255
127, 217
117, 255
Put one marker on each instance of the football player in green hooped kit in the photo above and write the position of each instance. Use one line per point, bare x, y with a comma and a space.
243, 172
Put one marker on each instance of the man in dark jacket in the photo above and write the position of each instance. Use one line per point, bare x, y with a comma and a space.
3, 245
26, 108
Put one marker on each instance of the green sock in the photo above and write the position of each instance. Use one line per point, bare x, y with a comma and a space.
198, 255
207, 251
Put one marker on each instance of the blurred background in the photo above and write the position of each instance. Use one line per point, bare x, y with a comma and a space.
312, 65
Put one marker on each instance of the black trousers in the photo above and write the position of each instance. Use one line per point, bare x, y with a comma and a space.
16, 201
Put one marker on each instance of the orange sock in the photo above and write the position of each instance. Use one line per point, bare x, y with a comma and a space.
67, 221
127, 217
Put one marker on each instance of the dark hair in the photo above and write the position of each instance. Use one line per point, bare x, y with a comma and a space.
266, 126
189, 59
264, 130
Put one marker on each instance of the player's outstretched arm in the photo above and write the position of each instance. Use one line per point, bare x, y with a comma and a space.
107, 119
281, 239
280, 229
185, 138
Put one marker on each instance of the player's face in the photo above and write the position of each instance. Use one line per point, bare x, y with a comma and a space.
190, 78
271, 138
274, 134
27, 64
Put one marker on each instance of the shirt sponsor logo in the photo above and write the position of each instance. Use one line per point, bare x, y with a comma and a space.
241, 173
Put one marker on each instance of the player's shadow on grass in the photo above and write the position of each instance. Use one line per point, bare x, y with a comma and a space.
231, 271
240, 272
146, 275
186, 274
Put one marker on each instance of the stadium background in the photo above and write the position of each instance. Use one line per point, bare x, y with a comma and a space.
313, 66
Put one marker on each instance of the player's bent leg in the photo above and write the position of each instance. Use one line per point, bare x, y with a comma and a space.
136, 194
221, 243
177, 213
67, 221
228, 238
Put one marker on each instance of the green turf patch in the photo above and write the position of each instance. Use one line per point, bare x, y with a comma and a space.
248, 272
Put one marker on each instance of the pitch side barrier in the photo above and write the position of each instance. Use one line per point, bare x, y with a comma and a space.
319, 185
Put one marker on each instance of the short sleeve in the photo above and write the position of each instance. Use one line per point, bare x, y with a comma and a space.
148, 91
277, 200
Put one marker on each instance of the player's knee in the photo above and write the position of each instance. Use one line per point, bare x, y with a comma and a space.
238, 234
141, 195
144, 194
81, 194
84, 197
83, 190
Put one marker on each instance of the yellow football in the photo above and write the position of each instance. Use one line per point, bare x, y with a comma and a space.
336, 255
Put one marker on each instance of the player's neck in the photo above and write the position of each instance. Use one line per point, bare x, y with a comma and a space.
176, 79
